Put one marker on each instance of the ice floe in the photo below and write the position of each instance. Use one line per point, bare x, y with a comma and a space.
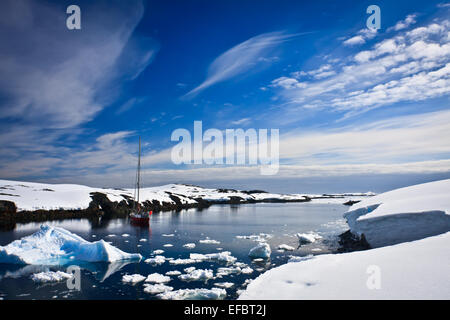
197, 275
194, 294
156, 260
157, 278
156, 288
133, 278
50, 276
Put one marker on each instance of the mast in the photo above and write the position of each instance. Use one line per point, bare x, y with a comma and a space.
139, 171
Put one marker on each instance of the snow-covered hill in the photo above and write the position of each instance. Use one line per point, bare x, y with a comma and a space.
29, 196
399, 269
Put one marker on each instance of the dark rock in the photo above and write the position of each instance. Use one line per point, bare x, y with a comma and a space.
350, 242
351, 202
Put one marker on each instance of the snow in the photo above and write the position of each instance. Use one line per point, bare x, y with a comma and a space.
50, 276
404, 214
133, 278
57, 246
411, 270
308, 237
197, 275
156, 288
156, 260
262, 250
157, 278
194, 294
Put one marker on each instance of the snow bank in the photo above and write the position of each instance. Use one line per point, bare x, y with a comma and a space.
57, 246
194, 294
413, 270
402, 215
262, 250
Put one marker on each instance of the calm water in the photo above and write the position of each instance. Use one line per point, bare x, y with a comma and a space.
219, 222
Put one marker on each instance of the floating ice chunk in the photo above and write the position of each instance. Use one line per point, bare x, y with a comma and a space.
168, 235
125, 235
262, 250
156, 260
173, 273
262, 237
308, 237
194, 294
224, 256
168, 245
197, 274
143, 240
111, 235
189, 245
298, 259
221, 272
157, 278
156, 288
57, 246
224, 285
133, 278
209, 241
189, 270
159, 251
247, 270
50, 276
182, 261
285, 247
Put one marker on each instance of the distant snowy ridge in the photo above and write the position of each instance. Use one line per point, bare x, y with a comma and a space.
402, 215
30, 196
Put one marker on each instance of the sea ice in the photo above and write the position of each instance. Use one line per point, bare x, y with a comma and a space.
133, 278
156, 288
197, 274
157, 278
50, 276
189, 245
194, 294
156, 260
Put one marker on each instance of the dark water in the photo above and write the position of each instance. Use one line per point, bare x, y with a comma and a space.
220, 222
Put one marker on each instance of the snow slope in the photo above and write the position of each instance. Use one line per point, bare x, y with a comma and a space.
29, 196
404, 214
413, 270
57, 246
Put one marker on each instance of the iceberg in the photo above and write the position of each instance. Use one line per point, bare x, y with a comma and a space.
57, 246
308, 237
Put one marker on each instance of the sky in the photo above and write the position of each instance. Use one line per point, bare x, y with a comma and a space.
356, 109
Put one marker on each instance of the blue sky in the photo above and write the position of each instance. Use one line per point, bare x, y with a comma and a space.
357, 110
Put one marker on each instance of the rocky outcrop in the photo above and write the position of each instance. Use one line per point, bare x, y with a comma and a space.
349, 242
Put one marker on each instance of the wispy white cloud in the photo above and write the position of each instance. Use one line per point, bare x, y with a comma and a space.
403, 24
241, 58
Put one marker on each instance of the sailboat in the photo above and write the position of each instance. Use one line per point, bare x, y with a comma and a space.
138, 215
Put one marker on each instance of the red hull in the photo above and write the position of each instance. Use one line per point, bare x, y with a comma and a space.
140, 220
